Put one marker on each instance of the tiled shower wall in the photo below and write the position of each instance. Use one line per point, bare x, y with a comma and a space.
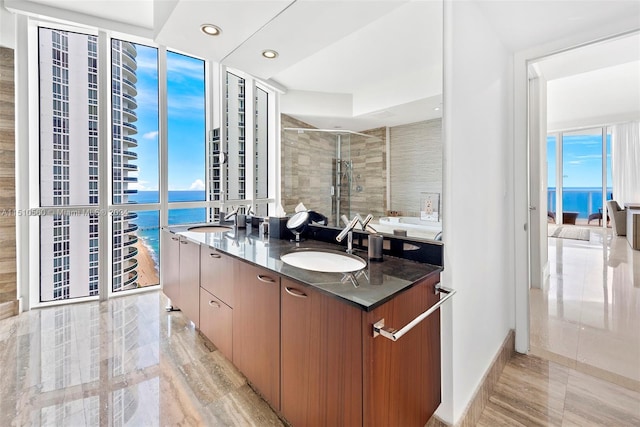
8, 301
307, 168
416, 164
369, 176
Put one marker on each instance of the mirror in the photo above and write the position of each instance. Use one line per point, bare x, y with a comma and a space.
361, 109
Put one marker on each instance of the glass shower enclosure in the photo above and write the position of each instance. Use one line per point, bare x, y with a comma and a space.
327, 171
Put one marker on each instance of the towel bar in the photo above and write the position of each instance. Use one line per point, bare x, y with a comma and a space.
396, 334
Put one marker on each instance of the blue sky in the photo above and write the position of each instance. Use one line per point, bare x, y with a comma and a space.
186, 127
582, 160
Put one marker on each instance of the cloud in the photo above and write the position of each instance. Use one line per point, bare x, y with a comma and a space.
186, 106
182, 66
590, 156
141, 186
575, 162
151, 135
197, 185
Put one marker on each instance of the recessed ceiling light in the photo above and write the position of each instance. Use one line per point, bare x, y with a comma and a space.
210, 29
437, 108
270, 54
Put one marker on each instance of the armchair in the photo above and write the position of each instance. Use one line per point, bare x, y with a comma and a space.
618, 218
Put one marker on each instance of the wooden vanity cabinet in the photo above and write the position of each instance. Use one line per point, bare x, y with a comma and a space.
402, 379
190, 280
321, 379
170, 266
256, 330
312, 356
216, 322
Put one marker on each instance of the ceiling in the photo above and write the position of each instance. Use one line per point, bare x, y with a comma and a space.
593, 85
522, 24
344, 64
376, 62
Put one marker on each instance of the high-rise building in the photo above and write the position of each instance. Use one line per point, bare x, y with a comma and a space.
123, 93
235, 122
69, 255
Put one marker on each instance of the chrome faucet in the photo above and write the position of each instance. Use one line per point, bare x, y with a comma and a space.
364, 223
233, 214
348, 232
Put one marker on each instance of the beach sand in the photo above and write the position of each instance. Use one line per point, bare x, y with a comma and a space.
147, 273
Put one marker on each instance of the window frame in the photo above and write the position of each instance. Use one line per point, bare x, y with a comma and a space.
28, 176
273, 147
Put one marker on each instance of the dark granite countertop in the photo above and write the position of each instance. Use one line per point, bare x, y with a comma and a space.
366, 289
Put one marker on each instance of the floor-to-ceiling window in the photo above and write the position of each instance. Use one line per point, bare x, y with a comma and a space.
134, 165
551, 174
577, 184
186, 138
73, 202
127, 144
69, 148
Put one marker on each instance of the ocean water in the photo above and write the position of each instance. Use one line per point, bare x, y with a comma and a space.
149, 221
584, 200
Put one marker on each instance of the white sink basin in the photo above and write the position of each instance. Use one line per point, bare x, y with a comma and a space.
209, 229
326, 261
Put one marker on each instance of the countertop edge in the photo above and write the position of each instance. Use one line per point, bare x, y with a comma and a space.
436, 271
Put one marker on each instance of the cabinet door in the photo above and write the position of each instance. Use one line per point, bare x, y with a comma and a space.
321, 359
216, 274
190, 280
216, 322
256, 329
402, 378
170, 267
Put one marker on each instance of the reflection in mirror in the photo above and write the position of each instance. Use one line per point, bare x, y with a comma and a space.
345, 173
378, 102
332, 172
235, 117
373, 83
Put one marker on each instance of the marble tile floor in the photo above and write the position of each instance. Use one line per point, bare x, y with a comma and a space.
536, 392
128, 362
121, 362
588, 316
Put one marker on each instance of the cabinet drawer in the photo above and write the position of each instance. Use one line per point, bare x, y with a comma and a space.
216, 322
217, 274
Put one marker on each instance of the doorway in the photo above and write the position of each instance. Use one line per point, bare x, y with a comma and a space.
583, 297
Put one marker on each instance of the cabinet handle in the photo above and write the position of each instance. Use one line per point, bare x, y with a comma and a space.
214, 304
175, 238
215, 255
295, 292
184, 242
265, 279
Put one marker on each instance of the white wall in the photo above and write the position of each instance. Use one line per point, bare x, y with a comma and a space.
7, 28
478, 204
